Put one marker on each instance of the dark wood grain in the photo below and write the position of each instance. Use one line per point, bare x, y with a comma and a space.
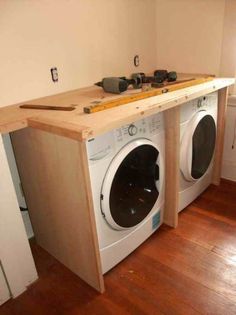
47, 107
188, 270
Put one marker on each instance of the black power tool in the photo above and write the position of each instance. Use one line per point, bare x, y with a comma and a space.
118, 85
113, 85
164, 75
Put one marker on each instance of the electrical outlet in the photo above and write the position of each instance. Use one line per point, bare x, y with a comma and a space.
54, 74
136, 60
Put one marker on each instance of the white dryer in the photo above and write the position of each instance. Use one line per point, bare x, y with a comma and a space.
198, 120
126, 167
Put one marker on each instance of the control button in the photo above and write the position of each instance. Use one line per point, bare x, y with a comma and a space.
132, 130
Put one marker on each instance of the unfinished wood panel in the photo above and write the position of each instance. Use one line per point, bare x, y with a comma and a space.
54, 175
172, 135
78, 125
222, 107
114, 117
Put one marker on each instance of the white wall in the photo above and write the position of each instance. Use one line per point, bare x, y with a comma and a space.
85, 39
189, 35
228, 56
90, 39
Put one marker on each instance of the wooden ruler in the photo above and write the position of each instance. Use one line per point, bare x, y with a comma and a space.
142, 95
47, 107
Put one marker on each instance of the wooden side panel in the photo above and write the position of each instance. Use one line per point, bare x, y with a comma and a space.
54, 175
222, 106
172, 135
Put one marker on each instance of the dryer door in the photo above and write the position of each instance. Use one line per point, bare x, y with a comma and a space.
197, 146
131, 185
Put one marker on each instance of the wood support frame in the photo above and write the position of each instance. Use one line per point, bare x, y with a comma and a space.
44, 159
172, 139
172, 144
221, 118
54, 174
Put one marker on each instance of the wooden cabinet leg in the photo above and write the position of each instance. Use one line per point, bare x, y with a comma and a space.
172, 135
222, 106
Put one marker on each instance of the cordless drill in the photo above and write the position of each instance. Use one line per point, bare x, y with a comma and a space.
118, 85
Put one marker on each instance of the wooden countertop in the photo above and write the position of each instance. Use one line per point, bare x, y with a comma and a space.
80, 126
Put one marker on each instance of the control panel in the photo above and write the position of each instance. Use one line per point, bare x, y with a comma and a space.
100, 147
207, 102
142, 128
105, 145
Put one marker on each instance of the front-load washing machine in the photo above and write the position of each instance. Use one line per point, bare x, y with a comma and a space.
198, 120
126, 167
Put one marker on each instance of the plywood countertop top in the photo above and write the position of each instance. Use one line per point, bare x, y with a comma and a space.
80, 126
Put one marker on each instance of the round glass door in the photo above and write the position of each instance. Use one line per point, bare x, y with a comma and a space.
130, 188
197, 146
203, 146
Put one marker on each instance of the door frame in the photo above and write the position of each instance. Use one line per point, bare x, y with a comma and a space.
15, 253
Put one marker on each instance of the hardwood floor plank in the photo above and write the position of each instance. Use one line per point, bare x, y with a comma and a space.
190, 270
175, 292
219, 200
200, 264
153, 286
205, 229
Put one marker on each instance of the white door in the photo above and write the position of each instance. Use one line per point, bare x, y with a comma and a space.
14, 170
197, 146
4, 292
132, 184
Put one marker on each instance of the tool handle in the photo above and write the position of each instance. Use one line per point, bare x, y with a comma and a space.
48, 107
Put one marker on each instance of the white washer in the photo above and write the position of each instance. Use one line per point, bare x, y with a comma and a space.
126, 167
198, 120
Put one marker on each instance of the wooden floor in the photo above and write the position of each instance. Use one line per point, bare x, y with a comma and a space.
189, 270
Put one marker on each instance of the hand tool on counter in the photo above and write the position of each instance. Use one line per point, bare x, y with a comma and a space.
164, 75
47, 107
165, 88
118, 85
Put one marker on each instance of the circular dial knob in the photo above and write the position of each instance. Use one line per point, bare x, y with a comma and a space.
132, 130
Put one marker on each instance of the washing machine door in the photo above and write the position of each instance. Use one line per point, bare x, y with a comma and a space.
197, 146
131, 185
